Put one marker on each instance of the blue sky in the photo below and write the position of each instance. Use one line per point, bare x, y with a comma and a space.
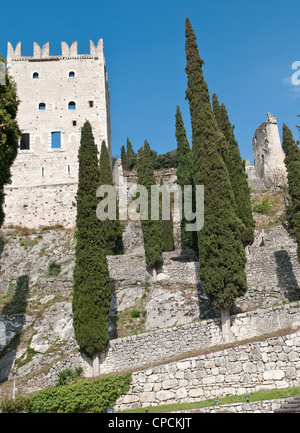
248, 49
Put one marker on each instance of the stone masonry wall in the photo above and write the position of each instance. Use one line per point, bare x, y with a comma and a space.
142, 349
263, 406
43, 205
273, 363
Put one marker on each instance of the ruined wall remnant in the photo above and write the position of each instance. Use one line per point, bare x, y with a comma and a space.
269, 169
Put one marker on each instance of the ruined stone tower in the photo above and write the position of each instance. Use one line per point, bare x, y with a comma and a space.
57, 95
269, 169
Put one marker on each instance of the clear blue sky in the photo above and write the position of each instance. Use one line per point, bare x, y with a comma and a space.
248, 49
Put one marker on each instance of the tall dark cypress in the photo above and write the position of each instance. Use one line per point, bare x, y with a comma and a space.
130, 155
221, 252
9, 133
152, 229
112, 228
167, 227
236, 170
292, 162
124, 158
92, 291
184, 174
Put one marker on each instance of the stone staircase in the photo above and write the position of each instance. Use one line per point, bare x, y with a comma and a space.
291, 406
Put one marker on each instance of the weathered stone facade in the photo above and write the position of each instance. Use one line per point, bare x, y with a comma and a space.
57, 95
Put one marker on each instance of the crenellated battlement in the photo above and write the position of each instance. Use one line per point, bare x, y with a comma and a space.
44, 51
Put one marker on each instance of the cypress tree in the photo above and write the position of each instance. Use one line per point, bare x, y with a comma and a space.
92, 291
167, 228
9, 133
112, 229
221, 252
236, 170
152, 229
292, 162
184, 174
124, 158
131, 157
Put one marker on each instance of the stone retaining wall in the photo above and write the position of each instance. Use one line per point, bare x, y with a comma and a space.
263, 406
142, 349
273, 363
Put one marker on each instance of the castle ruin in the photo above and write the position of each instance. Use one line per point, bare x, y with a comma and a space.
269, 169
57, 95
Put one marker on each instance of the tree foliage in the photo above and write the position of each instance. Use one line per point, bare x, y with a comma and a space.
236, 170
185, 175
152, 229
92, 291
292, 162
124, 158
9, 133
130, 155
85, 396
221, 252
112, 228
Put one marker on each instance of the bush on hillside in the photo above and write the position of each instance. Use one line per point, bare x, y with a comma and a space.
91, 396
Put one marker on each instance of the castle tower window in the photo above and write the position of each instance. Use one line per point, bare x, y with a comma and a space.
55, 140
35, 75
43, 172
91, 103
72, 105
69, 170
72, 74
74, 123
25, 142
42, 106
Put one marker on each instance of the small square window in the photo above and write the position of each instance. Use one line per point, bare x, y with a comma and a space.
74, 122
91, 103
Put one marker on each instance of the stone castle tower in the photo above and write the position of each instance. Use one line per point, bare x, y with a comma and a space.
269, 168
57, 95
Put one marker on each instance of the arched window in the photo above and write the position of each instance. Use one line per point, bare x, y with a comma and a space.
35, 75
72, 105
42, 106
72, 74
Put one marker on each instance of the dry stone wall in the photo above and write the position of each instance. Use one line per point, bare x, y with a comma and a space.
264, 406
273, 271
137, 350
274, 363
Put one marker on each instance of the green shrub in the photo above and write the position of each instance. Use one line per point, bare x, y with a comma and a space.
68, 376
262, 207
85, 396
135, 313
54, 269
